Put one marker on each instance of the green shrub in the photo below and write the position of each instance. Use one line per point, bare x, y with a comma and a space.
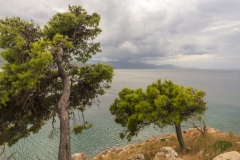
222, 146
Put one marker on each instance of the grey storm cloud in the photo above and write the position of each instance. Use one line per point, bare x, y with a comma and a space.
151, 30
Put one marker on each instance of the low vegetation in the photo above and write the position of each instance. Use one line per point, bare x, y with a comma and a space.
200, 147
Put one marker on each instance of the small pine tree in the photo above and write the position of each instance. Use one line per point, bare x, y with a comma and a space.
161, 104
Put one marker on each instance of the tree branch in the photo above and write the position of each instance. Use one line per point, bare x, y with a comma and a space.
51, 77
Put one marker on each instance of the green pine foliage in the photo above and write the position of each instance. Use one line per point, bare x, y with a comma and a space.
30, 82
162, 104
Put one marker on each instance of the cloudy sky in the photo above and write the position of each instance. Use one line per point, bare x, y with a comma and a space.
188, 33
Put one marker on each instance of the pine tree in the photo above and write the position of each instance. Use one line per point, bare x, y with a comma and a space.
162, 104
39, 79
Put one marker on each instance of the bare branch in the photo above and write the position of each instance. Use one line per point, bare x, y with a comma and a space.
10, 156
2, 150
200, 125
6, 157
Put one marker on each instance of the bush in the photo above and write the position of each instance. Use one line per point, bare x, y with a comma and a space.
222, 146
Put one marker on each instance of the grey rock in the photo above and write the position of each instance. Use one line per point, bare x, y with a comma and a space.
79, 156
167, 153
233, 155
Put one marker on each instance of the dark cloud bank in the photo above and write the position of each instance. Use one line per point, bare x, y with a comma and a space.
188, 33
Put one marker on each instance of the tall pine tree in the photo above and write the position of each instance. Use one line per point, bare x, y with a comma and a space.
40, 80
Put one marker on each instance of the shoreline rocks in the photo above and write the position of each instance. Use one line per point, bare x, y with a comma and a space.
79, 156
167, 153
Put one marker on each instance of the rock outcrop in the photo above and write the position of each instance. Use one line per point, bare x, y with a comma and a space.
137, 157
79, 156
167, 153
233, 155
113, 150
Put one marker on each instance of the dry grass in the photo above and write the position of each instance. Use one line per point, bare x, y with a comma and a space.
196, 143
206, 145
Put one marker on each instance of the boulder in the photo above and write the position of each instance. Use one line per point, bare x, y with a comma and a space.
79, 156
167, 153
115, 149
233, 155
137, 157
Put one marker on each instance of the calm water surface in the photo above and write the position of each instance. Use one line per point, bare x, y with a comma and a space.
223, 101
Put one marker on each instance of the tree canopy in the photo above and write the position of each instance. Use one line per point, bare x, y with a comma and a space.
39, 79
162, 104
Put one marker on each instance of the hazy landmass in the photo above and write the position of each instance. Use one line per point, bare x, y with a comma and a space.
135, 65
121, 64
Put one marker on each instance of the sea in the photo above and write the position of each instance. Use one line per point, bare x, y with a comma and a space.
222, 89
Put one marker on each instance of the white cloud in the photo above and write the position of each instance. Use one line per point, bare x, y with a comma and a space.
128, 47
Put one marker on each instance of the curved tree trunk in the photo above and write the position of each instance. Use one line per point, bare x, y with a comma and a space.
180, 137
64, 152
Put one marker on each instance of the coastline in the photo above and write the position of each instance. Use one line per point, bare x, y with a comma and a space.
151, 145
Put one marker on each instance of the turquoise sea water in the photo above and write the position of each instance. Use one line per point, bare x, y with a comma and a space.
223, 101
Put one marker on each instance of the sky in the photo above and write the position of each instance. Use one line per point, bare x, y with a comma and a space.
188, 33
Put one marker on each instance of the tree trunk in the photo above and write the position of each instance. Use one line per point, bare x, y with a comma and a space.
64, 152
180, 137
